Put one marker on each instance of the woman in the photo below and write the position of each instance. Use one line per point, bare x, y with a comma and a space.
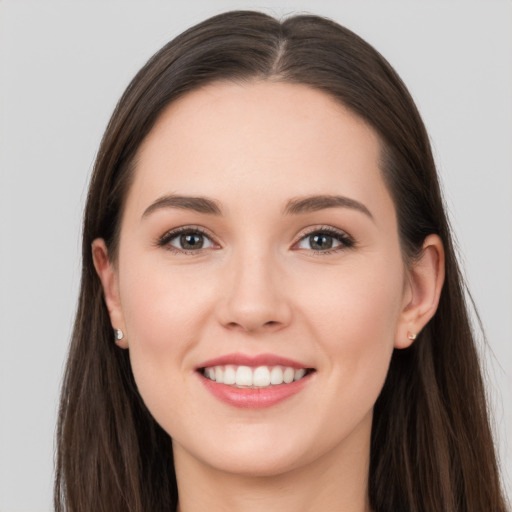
271, 314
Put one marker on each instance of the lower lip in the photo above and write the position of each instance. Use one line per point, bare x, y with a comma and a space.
249, 398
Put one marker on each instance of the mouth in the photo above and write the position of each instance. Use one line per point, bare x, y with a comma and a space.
254, 382
260, 377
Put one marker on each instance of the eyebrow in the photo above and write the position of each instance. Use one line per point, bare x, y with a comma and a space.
294, 206
320, 202
197, 204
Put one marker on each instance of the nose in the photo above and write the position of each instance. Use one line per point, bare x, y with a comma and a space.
254, 296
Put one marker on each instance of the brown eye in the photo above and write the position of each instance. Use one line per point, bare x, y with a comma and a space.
190, 241
186, 240
321, 242
325, 240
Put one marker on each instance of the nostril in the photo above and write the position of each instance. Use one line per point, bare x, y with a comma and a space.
249, 326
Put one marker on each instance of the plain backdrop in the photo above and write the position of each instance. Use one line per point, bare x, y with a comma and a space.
63, 65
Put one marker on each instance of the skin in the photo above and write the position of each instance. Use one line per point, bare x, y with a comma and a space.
257, 286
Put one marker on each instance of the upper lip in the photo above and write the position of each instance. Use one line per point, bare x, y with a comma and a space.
238, 359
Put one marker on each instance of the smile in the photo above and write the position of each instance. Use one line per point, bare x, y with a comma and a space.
255, 378
254, 382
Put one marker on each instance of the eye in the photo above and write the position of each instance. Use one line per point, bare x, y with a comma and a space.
186, 240
325, 240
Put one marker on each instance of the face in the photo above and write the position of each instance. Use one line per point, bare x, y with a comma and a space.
260, 284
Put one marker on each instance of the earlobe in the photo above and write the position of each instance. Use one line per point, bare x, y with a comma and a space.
425, 282
109, 282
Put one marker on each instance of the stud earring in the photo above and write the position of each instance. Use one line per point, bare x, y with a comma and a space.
412, 336
119, 335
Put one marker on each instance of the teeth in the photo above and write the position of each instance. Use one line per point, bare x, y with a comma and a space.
260, 377
276, 375
288, 375
243, 376
299, 374
229, 375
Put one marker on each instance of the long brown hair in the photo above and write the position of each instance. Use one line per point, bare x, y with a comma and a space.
431, 445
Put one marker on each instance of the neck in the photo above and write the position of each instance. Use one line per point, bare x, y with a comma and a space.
337, 481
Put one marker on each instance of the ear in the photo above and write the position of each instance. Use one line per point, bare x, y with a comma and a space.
422, 291
109, 281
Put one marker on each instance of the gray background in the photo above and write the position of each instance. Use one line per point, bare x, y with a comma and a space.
63, 65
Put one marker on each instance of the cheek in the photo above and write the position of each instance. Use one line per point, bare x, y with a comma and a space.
359, 298
165, 313
160, 305
354, 318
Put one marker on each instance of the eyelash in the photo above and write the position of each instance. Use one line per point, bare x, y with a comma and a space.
166, 238
345, 241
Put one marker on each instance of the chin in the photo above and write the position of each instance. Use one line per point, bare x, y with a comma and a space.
259, 463
264, 451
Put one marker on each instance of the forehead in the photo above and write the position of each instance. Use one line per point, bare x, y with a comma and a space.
278, 139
